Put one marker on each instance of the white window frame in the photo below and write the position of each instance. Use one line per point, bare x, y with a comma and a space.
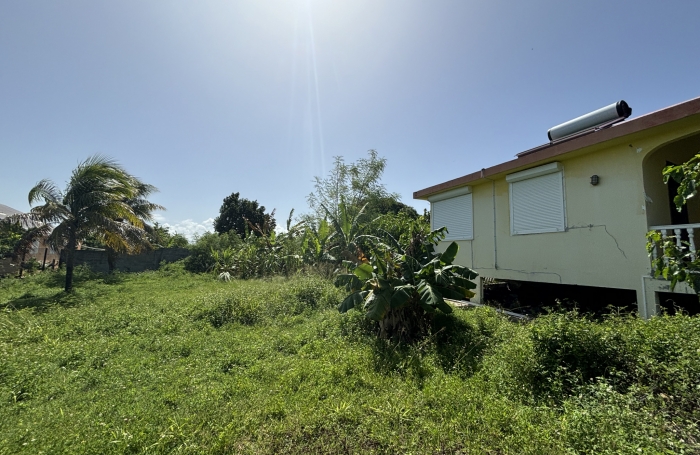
459, 192
532, 173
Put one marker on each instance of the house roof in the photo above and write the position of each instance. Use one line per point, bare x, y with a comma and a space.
551, 150
6, 211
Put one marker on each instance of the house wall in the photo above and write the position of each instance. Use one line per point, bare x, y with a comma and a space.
604, 244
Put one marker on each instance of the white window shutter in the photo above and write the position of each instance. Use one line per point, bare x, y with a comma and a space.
456, 214
537, 204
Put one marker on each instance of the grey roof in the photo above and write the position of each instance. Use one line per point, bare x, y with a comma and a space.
6, 211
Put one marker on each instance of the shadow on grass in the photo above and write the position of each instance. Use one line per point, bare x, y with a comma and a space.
43, 303
80, 275
458, 345
452, 344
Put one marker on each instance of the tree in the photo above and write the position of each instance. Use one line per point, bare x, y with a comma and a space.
236, 210
352, 185
10, 233
101, 200
389, 205
161, 237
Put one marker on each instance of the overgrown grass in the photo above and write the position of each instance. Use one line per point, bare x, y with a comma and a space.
166, 361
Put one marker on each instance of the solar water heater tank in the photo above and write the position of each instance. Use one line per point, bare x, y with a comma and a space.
604, 116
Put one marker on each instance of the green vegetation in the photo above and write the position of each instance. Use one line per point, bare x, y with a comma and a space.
237, 214
160, 237
350, 212
10, 235
101, 201
171, 362
402, 288
678, 263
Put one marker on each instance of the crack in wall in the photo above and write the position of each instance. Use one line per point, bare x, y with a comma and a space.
605, 227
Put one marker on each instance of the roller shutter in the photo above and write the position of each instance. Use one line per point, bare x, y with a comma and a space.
537, 204
456, 214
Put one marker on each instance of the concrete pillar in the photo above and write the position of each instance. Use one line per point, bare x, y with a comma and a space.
479, 291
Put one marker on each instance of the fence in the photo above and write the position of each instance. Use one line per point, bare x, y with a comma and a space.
150, 260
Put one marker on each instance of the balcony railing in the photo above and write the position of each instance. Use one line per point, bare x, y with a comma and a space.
679, 232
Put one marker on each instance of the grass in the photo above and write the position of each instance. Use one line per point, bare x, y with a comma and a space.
170, 362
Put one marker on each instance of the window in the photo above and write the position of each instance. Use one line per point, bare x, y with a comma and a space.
453, 209
537, 200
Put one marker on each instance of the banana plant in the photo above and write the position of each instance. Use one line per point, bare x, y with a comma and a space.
224, 263
314, 244
399, 290
347, 231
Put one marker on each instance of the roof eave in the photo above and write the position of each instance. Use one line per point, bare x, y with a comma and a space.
644, 122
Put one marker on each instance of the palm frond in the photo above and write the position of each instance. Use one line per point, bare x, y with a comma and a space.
44, 189
29, 239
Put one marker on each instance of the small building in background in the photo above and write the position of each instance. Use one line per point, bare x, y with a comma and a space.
41, 251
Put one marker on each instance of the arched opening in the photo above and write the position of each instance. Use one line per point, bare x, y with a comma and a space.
659, 206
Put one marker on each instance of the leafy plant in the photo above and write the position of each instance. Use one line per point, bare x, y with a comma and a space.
347, 232
31, 266
315, 241
675, 262
10, 233
200, 259
400, 291
687, 175
224, 263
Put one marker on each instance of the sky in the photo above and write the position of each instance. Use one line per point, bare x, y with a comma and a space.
203, 99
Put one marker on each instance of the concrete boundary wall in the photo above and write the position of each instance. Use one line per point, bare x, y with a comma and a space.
150, 260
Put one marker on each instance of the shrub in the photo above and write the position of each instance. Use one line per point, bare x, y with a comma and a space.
234, 309
570, 351
200, 260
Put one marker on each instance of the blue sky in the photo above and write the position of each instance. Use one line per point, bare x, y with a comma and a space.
206, 98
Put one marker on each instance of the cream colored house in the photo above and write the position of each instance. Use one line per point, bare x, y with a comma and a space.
576, 211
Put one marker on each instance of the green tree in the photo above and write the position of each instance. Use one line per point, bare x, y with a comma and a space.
10, 233
178, 241
236, 212
101, 200
161, 237
388, 205
348, 188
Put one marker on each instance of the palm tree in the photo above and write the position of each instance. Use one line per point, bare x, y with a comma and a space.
101, 200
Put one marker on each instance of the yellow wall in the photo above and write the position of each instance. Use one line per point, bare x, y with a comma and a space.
604, 244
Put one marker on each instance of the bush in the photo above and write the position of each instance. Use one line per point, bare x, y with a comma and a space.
571, 351
280, 299
200, 260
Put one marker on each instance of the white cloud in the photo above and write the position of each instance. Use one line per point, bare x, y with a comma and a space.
189, 228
